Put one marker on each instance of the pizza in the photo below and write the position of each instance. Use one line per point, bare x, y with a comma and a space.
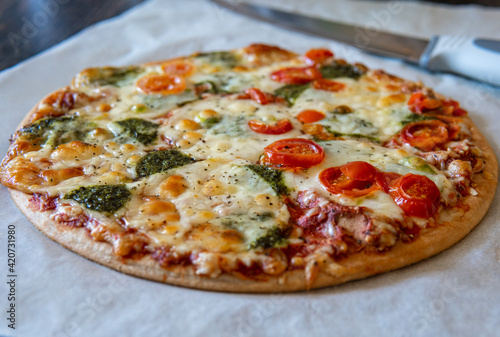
250, 170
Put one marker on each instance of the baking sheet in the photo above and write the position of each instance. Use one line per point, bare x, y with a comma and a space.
60, 294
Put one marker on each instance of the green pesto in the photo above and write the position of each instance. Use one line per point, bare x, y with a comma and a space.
57, 130
219, 58
208, 87
114, 76
291, 92
351, 135
168, 102
139, 129
336, 70
274, 237
417, 163
271, 176
232, 126
101, 198
154, 101
415, 118
161, 161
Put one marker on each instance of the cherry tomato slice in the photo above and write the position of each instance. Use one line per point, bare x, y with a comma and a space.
453, 108
294, 152
177, 67
425, 135
420, 103
336, 182
416, 195
257, 95
281, 126
318, 56
328, 85
296, 75
161, 84
385, 179
310, 116
359, 170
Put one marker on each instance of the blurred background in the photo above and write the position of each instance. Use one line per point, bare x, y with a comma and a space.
28, 27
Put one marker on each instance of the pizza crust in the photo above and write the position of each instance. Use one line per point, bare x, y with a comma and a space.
358, 266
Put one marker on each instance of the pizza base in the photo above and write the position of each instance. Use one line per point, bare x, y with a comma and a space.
358, 266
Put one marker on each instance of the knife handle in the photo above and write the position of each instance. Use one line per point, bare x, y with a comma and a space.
472, 57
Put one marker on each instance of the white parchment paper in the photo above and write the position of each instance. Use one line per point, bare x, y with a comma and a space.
60, 294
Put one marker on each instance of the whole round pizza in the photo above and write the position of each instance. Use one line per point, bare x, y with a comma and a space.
250, 170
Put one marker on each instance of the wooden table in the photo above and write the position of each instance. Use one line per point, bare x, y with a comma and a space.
29, 27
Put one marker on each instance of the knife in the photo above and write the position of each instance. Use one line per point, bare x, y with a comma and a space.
477, 58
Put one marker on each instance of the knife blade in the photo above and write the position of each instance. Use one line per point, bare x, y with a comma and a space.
466, 56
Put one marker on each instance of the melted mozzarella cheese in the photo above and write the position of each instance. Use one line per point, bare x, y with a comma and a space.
223, 194
221, 205
340, 152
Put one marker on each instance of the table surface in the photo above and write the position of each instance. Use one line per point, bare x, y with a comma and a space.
29, 27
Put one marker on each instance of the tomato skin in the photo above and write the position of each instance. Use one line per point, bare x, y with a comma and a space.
278, 128
310, 116
416, 195
425, 135
327, 85
318, 56
161, 84
294, 153
177, 67
385, 179
260, 97
359, 170
453, 108
296, 75
420, 103
336, 182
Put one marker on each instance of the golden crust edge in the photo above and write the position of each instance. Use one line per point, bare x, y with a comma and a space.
355, 267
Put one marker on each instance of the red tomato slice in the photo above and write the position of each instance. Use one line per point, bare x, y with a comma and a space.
281, 126
416, 195
336, 182
328, 85
257, 95
177, 67
453, 108
359, 170
260, 97
294, 152
318, 56
310, 116
161, 84
425, 135
296, 75
420, 103
385, 179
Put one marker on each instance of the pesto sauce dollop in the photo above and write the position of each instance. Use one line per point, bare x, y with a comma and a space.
224, 59
291, 92
161, 161
114, 76
337, 69
57, 130
271, 176
139, 129
274, 237
101, 198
